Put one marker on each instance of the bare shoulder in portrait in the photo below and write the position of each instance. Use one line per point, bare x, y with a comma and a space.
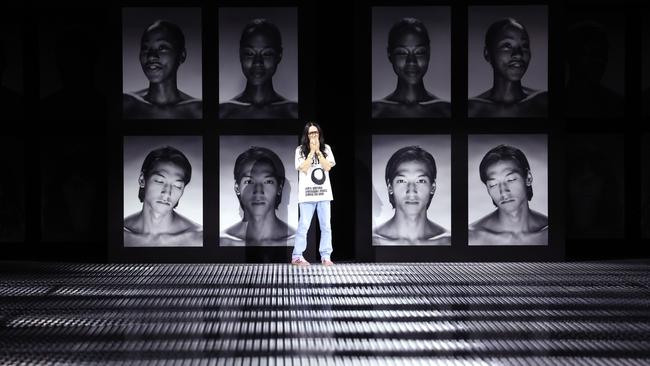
507, 50
409, 53
162, 52
260, 54
410, 176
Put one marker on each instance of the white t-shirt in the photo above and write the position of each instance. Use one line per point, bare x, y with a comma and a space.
314, 185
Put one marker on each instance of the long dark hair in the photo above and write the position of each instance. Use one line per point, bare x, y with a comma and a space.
304, 140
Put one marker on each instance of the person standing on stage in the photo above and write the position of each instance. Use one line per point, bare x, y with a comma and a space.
314, 159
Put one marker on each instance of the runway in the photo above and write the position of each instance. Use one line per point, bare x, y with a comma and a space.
595, 313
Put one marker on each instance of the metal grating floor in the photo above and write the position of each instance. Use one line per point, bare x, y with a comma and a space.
350, 314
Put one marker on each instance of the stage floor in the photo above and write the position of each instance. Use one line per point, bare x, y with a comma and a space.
351, 314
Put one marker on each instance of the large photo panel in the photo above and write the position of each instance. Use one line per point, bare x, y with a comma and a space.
258, 191
258, 63
507, 180
507, 60
411, 190
163, 191
411, 51
161, 63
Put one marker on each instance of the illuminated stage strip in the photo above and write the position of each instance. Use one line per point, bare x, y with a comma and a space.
370, 314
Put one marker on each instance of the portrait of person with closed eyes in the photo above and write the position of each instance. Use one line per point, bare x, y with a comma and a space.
259, 178
165, 173
508, 50
410, 177
260, 55
508, 179
409, 53
162, 53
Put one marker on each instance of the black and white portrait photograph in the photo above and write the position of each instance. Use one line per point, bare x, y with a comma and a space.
595, 63
507, 50
163, 191
161, 63
12, 189
645, 186
258, 63
411, 190
507, 189
411, 62
11, 64
258, 191
70, 197
595, 174
71, 84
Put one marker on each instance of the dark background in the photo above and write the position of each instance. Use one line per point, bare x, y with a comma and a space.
334, 87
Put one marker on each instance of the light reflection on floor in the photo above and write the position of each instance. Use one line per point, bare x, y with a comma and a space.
351, 314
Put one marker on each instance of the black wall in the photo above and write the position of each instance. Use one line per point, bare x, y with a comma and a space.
334, 89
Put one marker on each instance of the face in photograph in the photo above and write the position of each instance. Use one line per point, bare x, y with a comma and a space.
260, 55
162, 181
259, 179
508, 179
162, 52
408, 51
508, 50
410, 178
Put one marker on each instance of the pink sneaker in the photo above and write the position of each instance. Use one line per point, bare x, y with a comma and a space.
299, 261
327, 262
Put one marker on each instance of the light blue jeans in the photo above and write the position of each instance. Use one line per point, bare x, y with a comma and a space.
307, 209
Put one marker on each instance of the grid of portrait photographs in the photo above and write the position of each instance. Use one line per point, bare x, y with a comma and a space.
459, 171
209, 111
467, 130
